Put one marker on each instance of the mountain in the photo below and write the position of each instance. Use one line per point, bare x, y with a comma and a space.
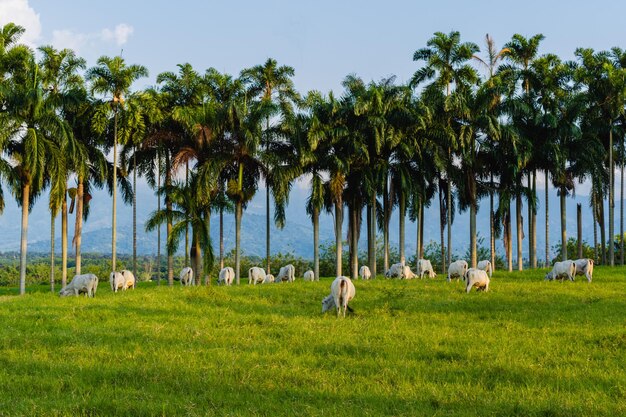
296, 237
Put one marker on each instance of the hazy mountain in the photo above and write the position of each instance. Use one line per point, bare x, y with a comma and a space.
296, 237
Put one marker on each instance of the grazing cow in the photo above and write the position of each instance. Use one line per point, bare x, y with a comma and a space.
341, 292
560, 270
407, 273
364, 272
309, 276
269, 278
476, 278
425, 267
85, 283
584, 267
286, 273
256, 275
129, 279
117, 281
395, 271
457, 269
186, 276
485, 266
226, 276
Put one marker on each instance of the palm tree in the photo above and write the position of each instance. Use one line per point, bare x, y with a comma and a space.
32, 123
113, 79
521, 53
446, 61
64, 88
494, 57
273, 85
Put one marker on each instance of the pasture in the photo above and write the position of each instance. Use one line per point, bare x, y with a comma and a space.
411, 348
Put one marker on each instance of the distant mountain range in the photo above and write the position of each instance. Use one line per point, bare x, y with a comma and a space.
296, 237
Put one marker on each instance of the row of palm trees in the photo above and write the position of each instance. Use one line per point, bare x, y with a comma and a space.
454, 133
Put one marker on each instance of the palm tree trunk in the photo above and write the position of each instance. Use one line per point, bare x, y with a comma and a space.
421, 213
78, 226
372, 236
621, 212
473, 234
442, 222
187, 225
418, 237
221, 238
114, 211
267, 227
168, 207
579, 229
563, 226
316, 243
602, 223
386, 224
338, 241
24, 237
611, 200
530, 222
207, 278
64, 242
193, 259
159, 228
509, 240
547, 222
595, 229
492, 234
354, 244
533, 218
369, 231
238, 213
52, 219
402, 215
449, 213
135, 212
518, 218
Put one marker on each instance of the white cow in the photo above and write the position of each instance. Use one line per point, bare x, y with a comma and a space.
364, 272
476, 278
286, 273
129, 279
226, 276
395, 271
256, 275
186, 276
485, 266
85, 283
560, 270
457, 269
407, 273
425, 267
269, 278
584, 267
309, 275
341, 292
117, 281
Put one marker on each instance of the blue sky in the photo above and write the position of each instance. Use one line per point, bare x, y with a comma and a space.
323, 40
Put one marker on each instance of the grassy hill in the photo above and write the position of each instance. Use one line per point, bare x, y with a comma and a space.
526, 348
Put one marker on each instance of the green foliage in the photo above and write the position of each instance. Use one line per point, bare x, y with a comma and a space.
411, 348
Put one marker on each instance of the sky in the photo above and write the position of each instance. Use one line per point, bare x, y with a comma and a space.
324, 40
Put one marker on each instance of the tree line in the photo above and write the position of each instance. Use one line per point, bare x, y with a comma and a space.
468, 125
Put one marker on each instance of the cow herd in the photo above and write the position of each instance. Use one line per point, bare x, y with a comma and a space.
342, 289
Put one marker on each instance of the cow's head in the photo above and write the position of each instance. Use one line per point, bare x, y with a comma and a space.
328, 303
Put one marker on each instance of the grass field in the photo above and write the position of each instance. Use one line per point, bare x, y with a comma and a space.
411, 348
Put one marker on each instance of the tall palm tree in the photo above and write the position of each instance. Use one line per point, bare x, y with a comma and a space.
32, 123
273, 85
64, 88
112, 78
521, 53
446, 60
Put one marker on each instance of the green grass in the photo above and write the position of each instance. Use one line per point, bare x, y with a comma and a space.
411, 348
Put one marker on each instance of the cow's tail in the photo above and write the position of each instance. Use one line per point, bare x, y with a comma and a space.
343, 293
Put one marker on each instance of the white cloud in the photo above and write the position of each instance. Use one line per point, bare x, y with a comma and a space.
20, 12
66, 38
120, 34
